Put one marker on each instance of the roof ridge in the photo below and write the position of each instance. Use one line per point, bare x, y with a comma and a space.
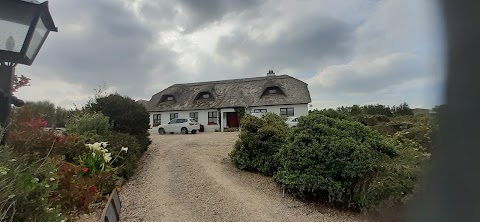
234, 80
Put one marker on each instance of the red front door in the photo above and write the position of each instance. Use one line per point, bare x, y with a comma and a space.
232, 120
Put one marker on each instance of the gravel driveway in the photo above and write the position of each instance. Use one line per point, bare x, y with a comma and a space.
190, 178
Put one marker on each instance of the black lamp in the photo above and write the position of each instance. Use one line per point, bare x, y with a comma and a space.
24, 26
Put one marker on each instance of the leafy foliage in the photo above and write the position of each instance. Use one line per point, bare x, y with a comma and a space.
333, 158
126, 163
20, 81
26, 136
86, 123
77, 187
126, 115
25, 189
259, 142
377, 109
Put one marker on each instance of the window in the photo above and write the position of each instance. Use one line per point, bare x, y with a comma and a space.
167, 98
212, 118
181, 120
286, 112
194, 115
193, 120
260, 110
173, 115
157, 119
204, 95
273, 90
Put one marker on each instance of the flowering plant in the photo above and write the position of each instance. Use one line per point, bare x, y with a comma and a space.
99, 159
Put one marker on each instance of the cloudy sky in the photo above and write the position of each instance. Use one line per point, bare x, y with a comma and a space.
349, 52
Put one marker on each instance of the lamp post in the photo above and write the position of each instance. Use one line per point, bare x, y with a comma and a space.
24, 26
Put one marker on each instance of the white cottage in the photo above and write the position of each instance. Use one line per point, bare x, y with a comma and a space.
214, 103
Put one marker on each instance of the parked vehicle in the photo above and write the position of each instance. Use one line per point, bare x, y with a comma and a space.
258, 115
292, 121
179, 125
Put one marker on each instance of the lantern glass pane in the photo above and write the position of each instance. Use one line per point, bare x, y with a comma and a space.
15, 20
37, 39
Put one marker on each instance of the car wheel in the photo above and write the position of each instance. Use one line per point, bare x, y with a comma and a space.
194, 131
184, 130
161, 131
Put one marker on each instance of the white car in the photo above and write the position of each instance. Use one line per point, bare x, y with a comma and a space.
292, 121
180, 125
258, 115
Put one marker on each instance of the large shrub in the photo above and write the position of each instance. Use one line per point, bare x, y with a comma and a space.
126, 115
335, 159
259, 142
396, 179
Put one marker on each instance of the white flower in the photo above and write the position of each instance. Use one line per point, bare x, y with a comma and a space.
13, 160
103, 144
107, 157
35, 180
93, 154
124, 149
88, 145
62, 220
52, 179
3, 170
47, 186
50, 209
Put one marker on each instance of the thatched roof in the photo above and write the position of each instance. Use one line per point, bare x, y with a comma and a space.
231, 93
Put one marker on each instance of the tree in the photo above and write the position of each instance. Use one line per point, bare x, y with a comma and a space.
403, 110
355, 110
126, 115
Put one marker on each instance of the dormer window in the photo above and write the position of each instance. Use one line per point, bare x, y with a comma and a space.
273, 90
167, 98
204, 95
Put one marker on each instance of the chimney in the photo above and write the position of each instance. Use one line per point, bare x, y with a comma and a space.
270, 73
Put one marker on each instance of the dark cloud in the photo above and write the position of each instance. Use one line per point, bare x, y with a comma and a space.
111, 46
343, 50
207, 11
310, 44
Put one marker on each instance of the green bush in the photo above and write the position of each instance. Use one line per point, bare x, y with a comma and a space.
334, 159
332, 113
128, 162
259, 142
26, 188
126, 115
86, 123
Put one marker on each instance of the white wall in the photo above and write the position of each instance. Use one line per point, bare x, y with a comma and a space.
298, 109
202, 117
